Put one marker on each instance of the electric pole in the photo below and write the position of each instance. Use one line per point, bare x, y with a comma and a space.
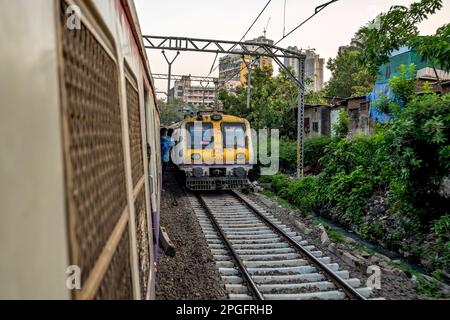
169, 72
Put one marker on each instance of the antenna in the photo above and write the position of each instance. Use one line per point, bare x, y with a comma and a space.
267, 25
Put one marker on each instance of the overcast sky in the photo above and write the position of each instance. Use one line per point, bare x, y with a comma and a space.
229, 19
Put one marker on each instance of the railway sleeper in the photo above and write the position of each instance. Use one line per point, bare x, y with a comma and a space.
280, 279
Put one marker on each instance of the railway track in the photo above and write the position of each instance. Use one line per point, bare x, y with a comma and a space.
260, 258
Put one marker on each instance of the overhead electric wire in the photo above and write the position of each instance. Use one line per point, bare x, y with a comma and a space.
246, 32
256, 19
316, 11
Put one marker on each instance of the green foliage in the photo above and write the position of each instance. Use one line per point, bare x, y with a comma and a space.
271, 104
279, 183
399, 27
349, 192
417, 145
288, 155
404, 88
316, 98
430, 288
302, 193
170, 112
441, 228
340, 128
404, 85
435, 48
348, 77
313, 150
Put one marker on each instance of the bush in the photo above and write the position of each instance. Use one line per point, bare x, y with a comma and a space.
441, 227
313, 150
288, 156
417, 145
340, 128
303, 193
279, 183
348, 192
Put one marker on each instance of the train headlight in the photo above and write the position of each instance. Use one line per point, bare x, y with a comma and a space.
196, 156
240, 156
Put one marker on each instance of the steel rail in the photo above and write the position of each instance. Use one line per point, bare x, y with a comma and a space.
238, 261
330, 274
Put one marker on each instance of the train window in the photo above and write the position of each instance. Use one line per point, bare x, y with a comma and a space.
200, 135
233, 135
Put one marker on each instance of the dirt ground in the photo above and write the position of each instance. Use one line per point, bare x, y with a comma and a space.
191, 274
395, 284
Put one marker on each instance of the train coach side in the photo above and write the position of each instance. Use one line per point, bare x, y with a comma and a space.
78, 124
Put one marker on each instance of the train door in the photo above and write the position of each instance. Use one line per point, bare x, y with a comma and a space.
153, 173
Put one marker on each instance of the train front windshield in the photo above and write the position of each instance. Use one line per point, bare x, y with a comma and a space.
233, 135
200, 135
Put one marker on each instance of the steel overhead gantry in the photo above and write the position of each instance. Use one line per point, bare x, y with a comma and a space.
254, 49
165, 76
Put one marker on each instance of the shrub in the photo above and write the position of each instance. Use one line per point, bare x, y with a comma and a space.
417, 145
303, 193
441, 227
288, 155
314, 149
279, 183
340, 128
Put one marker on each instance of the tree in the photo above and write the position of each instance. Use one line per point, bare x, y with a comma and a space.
397, 28
170, 112
271, 104
435, 48
315, 97
348, 77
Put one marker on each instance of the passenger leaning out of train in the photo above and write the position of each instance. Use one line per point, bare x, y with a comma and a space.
166, 145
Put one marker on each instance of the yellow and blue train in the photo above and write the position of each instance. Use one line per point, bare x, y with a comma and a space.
215, 151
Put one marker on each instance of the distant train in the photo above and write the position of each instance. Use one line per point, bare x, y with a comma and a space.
214, 151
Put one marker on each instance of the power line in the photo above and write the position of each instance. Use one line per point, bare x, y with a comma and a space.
316, 11
256, 19
246, 32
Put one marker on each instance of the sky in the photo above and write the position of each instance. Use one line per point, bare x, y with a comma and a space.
229, 19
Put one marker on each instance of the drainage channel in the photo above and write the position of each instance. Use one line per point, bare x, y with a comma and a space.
259, 258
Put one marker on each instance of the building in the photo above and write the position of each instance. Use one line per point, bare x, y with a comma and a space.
194, 94
358, 111
317, 120
314, 66
233, 67
230, 71
424, 73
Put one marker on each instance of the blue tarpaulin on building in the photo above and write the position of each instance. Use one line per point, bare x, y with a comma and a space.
379, 90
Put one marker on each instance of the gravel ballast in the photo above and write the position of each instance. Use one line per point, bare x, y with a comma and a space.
191, 274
